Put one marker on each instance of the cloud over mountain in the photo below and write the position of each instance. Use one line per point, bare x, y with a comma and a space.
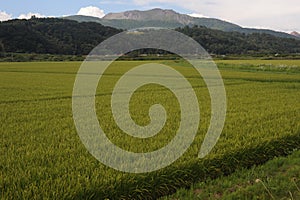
91, 11
30, 14
4, 16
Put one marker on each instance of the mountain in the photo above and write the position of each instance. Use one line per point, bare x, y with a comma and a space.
155, 18
68, 37
294, 33
125, 24
156, 14
168, 19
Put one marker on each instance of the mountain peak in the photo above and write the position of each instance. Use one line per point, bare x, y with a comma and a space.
160, 9
295, 33
156, 14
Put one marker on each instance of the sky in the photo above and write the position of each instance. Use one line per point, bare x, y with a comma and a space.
272, 14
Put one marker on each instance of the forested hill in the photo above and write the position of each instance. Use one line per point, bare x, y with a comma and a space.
61, 36
221, 43
52, 35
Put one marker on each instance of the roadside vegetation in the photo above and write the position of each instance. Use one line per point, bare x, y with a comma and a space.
277, 179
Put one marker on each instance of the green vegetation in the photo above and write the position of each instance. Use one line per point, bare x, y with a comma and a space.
274, 63
25, 57
52, 36
43, 156
222, 43
67, 37
287, 66
277, 179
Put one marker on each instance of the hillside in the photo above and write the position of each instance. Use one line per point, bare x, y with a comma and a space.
61, 36
220, 42
152, 15
51, 35
125, 24
168, 19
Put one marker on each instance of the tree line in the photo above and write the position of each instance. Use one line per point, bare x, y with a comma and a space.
52, 36
67, 37
224, 43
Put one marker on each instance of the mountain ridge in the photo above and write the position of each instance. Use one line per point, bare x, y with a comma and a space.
168, 18
155, 14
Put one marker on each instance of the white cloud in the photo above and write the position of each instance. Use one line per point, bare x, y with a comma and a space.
276, 14
91, 11
5, 16
197, 15
30, 14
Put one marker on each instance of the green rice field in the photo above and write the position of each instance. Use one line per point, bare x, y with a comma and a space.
42, 156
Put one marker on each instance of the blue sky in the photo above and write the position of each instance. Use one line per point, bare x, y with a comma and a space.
64, 7
273, 14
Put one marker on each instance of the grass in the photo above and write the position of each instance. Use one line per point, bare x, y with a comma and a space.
277, 179
287, 66
43, 156
261, 62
